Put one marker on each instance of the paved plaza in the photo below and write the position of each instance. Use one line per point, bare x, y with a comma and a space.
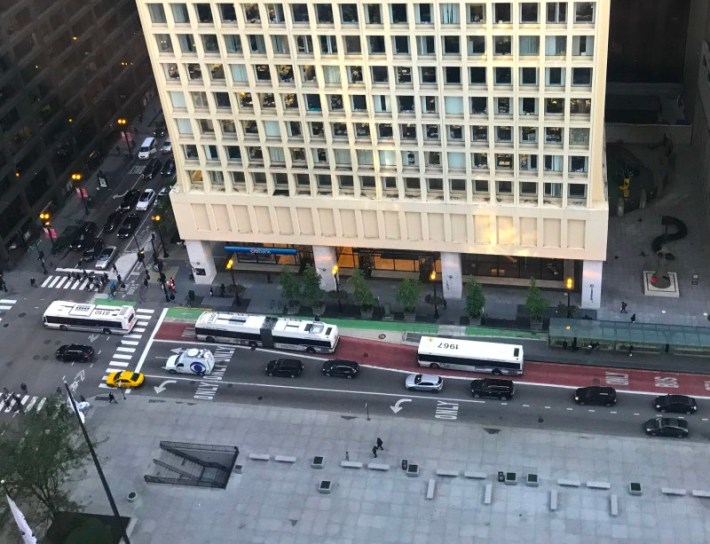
278, 502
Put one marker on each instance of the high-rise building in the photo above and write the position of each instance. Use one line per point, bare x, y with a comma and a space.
392, 136
68, 69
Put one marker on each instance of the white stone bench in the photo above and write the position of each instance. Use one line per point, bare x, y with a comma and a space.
701, 494
284, 459
475, 475
569, 483
598, 485
430, 488
350, 464
613, 505
553, 500
488, 494
377, 466
672, 491
259, 456
447, 473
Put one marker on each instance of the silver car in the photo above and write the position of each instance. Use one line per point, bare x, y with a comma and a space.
424, 382
105, 258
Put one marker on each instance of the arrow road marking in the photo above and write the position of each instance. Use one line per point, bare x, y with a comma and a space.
397, 405
119, 196
160, 388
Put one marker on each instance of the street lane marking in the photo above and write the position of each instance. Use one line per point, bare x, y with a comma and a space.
118, 363
137, 336
122, 356
130, 342
45, 282
54, 281
139, 329
145, 311
547, 407
569, 409
526, 406
5, 307
149, 344
7, 301
126, 350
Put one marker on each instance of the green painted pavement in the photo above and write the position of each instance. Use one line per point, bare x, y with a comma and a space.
185, 314
399, 326
484, 332
104, 300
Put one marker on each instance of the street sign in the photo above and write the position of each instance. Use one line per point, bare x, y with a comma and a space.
102, 181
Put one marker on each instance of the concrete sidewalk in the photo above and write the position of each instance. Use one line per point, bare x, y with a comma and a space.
278, 502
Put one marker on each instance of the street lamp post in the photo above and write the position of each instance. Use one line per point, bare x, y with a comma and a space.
230, 267
569, 285
156, 221
337, 287
432, 278
122, 122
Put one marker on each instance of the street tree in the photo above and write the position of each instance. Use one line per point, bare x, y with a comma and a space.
475, 300
535, 304
38, 455
311, 291
290, 287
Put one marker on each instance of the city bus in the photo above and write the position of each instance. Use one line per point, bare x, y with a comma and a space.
66, 316
470, 355
260, 330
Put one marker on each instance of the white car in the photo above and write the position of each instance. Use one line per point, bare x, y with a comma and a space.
191, 361
146, 200
103, 261
167, 147
424, 382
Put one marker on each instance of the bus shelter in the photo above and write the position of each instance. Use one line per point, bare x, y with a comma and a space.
625, 336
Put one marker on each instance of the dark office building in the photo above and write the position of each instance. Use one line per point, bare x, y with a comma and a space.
68, 70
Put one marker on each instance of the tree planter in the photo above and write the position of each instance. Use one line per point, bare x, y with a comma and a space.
410, 316
367, 312
318, 309
292, 308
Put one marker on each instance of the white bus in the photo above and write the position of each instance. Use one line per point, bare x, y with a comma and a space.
65, 315
258, 330
470, 355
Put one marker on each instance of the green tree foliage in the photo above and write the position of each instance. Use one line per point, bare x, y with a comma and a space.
38, 453
361, 291
535, 304
311, 291
290, 286
408, 294
475, 299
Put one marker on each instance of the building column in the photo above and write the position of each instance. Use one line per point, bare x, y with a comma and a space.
325, 259
451, 282
201, 261
592, 284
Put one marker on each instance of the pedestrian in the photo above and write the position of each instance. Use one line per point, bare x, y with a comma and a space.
222, 290
379, 444
145, 282
623, 307
268, 277
5, 391
33, 282
18, 404
111, 398
211, 292
59, 391
631, 351
82, 398
347, 456
374, 451
633, 318
3, 285
23, 388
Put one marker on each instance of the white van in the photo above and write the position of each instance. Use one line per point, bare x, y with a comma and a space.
148, 148
191, 361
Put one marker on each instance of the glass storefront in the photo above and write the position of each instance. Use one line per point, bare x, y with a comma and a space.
499, 266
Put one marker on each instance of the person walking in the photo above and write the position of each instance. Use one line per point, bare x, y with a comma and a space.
623, 307
374, 451
33, 282
222, 290
112, 398
633, 318
379, 444
347, 456
23, 388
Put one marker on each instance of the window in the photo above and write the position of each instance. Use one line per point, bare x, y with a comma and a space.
294, 128
528, 106
300, 13
449, 14
552, 189
256, 43
406, 104
452, 45
504, 161
250, 127
452, 74
457, 186
376, 44
554, 105
328, 45
502, 45
199, 100
432, 132
425, 45
194, 71
388, 158
285, 72
480, 160
435, 184
423, 13
267, 100
317, 129
262, 72
581, 106
501, 13
401, 45
528, 135
529, 46
404, 74
579, 137
308, 73
408, 132
206, 127
304, 44
157, 13
528, 76
528, 163
233, 43
428, 74
433, 158
276, 155
455, 133
504, 76
479, 105
553, 163
379, 74
336, 102
583, 45
581, 76
346, 182
180, 13
382, 103
477, 76
272, 129
384, 130
480, 186
368, 182
578, 164
557, 12
362, 129
298, 154
290, 101
355, 74
227, 13
555, 46
583, 12
204, 13
324, 13
555, 77
313, 102
348, 13
275, 13
165, 44
577, 190
251, 13
372, 14
504, 134
429, 104
398, 13
352, 44
528, 12
456, 160
245, 100
454, 105
553, 135
234, 153
476, 45
359, 103
187, 44
476, 13
280, 45
339, 130
504, 187
479, 133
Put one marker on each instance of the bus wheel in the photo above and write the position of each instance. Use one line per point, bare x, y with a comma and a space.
433, 365
497, 372
252, 345
210, 339
310, 350
63, 328
107, 331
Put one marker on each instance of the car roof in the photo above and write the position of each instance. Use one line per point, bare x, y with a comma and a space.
494, 381
288, 362
675, 398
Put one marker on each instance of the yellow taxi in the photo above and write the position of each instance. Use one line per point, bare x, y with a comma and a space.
125, 379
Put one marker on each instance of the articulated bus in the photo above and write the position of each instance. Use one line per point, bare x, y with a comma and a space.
66, 315
470, 355
260, 330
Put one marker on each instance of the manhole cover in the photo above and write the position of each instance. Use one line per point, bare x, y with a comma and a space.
382, 336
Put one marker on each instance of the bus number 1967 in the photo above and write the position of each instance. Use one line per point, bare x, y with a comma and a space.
447, 345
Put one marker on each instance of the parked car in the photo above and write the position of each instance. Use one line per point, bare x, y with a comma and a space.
424, 382
87, 233
677, 404
151, 169
106, 257
129, 225
160, 130
167, 147
287, 368
667, 426
125, 378
130, 199
92, 250
113, 221
146, 200
340, 368
493, 388
168, 168
75, 353
164, 191
596, 395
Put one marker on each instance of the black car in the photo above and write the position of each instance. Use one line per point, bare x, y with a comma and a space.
667, 426
596, 395
129, 225
678, 404
75, 353
340, 368
152, 169
130, 199
113, 221
493, 388
169, 168
87, 233
92, 250
159, 131
287, 368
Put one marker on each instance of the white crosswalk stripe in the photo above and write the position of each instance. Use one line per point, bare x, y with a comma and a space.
6, 304
65, 282
123, 364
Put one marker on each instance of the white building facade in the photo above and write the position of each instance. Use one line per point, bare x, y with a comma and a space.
394, 137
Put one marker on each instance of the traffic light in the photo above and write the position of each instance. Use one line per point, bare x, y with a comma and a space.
141, 256
45, 218
230, 264
569, 284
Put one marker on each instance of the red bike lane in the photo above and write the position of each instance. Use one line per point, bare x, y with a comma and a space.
404, 358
